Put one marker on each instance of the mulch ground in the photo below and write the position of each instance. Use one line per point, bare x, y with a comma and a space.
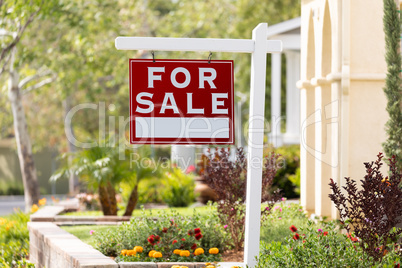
232, 256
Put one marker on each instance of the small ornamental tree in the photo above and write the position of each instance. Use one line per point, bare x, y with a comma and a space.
374, 211
228, 180
392, 89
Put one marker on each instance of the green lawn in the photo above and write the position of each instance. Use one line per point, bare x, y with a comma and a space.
205, 210
83, 231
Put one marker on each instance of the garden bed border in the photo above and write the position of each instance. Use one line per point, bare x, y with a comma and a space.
50, 246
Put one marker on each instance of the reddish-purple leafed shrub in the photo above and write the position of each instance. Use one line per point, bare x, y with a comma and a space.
228, 179
372, 212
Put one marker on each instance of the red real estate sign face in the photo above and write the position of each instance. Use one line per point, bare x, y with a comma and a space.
181, 101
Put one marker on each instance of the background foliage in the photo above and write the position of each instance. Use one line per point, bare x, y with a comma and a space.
75, 40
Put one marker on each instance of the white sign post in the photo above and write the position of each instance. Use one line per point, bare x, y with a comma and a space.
258, 46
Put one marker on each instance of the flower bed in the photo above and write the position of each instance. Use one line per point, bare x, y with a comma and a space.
50, 246
170, 238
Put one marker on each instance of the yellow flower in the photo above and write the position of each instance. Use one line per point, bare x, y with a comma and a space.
157, 254
198, 251
213, 251
123, 252
176, 251
385, 180
3, 221
10, 225
131, 252
138, 249
34, 208
184, 253
42, 202
151, 253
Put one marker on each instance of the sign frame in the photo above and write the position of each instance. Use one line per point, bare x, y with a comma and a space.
258, 46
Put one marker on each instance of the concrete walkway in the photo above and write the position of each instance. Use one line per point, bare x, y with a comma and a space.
11, 202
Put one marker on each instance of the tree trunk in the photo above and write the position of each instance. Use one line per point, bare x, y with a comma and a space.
107, 198
24, 147
112, 198
132, 201
104, 200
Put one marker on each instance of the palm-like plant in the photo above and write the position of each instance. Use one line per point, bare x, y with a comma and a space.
101, 169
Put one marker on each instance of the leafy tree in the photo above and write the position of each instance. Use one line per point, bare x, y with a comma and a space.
16, 17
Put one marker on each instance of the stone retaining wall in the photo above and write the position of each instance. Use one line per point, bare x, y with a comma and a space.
51, 246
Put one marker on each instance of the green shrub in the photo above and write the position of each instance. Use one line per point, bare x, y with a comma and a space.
149, 191
178, 188
11, 188
287, 178
14, 240
324, 247
275, 226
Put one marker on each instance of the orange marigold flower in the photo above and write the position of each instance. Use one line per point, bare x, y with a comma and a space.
213, 251
198, 251
138, 249
184, 253
157, 254
123, 252
131, 253
176, 251
151, 253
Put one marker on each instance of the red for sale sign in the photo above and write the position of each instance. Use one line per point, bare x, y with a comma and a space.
181, 101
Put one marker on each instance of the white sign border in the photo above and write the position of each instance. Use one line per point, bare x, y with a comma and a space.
231, 129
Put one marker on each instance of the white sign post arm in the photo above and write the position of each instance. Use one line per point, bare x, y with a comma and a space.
255, 146
195, 44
